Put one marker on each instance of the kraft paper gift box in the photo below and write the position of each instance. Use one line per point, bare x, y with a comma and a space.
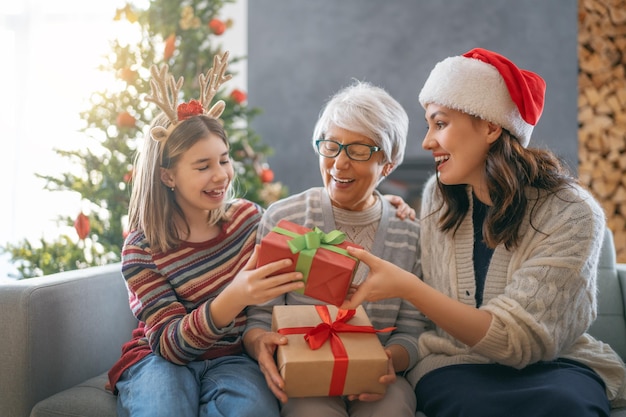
322, 257
348, 357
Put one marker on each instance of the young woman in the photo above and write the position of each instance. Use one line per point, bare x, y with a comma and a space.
510, 245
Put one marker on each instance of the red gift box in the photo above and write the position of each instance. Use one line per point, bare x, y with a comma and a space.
322, 257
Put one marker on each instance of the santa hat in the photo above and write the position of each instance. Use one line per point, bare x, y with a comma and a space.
487, 85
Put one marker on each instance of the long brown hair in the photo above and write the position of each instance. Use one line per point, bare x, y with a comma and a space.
153, 208
510, 169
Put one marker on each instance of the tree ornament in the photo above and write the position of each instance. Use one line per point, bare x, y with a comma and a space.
188, 20
267, 175
128, 75
170, 47
270, 193
238, 96
81, 224
126, 11
217, 26
125, 120
128, 176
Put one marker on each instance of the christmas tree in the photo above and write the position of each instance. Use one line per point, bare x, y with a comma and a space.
186, 37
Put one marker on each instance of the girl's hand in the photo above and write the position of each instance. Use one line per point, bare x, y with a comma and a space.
262, 346
259, 285
403, 209
253, 286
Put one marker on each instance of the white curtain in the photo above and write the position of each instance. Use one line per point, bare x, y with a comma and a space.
51, 50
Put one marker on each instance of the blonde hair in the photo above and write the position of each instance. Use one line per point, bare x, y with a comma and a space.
153, 208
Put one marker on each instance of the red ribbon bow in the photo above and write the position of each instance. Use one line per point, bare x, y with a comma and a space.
329, 330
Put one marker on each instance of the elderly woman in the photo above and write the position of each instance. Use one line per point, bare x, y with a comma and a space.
360, 138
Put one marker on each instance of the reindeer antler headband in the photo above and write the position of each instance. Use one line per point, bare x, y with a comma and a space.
165, 95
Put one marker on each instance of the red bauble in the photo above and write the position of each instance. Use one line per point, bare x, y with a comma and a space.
81, 224
267, 175
125, 119
238, 96
128, 176
217, 26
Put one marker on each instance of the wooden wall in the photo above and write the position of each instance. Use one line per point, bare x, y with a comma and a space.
602, 109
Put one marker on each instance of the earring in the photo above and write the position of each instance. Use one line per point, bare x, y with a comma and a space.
172, 189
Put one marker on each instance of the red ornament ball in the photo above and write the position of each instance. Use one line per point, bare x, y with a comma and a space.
238, 96
125, 119
217, 26
267, 175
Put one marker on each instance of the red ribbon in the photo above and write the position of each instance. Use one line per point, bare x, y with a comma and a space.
328, 330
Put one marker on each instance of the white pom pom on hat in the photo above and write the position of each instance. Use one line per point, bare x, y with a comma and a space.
488, 85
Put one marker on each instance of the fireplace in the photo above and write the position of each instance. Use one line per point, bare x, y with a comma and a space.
408, 179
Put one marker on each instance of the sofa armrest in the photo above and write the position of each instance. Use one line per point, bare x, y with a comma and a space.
59, 330
610, 324
621, 274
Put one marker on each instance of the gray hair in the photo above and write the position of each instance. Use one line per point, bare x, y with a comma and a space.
370, 111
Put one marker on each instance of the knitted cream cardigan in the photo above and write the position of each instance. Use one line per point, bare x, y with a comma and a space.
542, 295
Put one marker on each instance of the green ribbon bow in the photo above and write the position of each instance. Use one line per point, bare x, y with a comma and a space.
307, 245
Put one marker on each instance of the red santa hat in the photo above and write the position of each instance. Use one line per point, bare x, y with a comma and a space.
487, 85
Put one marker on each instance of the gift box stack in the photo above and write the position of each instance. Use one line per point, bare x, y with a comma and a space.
322, 258
329, 351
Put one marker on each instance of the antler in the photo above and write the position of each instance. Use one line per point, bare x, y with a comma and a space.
165, 91
211, 82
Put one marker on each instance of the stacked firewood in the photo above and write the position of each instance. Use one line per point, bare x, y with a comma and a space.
602, 109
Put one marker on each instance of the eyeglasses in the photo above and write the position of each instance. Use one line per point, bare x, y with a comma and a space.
355, 151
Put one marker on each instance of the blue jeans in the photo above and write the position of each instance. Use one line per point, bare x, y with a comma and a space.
226, 386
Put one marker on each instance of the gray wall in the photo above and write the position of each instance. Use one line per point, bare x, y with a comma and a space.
301, 51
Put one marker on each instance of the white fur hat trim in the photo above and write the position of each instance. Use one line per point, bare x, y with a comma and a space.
477, 88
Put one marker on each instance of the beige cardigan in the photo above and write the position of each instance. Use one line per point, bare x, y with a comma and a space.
542, 295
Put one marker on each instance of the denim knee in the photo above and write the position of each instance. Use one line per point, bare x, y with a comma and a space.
234, 386
155, 387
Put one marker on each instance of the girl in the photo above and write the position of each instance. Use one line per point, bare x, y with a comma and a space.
189, 265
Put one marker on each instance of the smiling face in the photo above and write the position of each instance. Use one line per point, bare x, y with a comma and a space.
350, 184
459, 143
201, 177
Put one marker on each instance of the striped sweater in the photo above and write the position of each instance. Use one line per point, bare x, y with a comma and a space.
170, 293
396, 240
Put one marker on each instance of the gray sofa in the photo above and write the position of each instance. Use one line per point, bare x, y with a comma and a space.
61, 333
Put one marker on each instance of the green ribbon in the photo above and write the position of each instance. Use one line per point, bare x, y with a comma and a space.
307, 245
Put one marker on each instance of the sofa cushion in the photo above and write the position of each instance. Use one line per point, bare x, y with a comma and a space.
89, 399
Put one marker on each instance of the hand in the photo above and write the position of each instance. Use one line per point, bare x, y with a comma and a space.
253, 286
403, 209
387, 379
264, 347
257, 286
385, 280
